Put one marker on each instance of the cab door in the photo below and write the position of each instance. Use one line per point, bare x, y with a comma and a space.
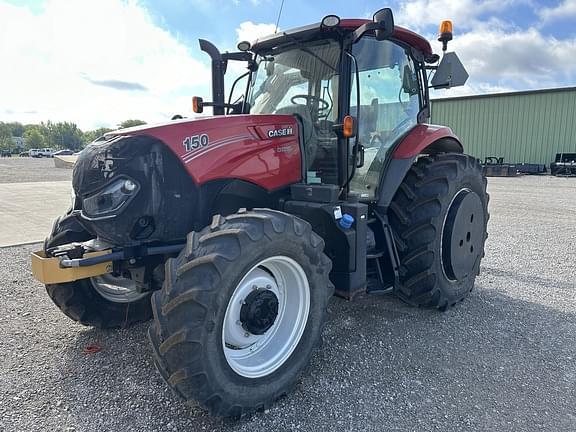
389, 106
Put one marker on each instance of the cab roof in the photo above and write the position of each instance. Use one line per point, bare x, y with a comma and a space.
312, 31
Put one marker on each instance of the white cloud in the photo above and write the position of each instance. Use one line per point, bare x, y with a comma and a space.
249, 31
70, 60
417, 14
522, 56
499, 55
564, 10
500, 61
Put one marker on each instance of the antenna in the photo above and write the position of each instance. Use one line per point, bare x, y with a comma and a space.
279, 15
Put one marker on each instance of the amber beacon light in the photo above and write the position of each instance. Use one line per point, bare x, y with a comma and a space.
445, 33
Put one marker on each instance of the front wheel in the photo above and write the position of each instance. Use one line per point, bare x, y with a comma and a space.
104, 301
439, 217
241, 311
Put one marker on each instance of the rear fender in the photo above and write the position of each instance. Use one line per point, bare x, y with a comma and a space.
427, 137
422, 139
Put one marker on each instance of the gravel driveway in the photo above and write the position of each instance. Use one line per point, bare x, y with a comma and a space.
27, 169
502, 360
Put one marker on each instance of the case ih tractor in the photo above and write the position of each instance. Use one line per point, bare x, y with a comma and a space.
232, 232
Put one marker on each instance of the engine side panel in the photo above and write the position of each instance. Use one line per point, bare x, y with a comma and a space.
261, 149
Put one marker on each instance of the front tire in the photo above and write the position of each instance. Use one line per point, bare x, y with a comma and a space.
103, 302
439, 218
241, 311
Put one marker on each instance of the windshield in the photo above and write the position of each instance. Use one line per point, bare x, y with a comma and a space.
304, 76
303, 81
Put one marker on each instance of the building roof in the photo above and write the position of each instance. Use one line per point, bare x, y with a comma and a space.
513, 93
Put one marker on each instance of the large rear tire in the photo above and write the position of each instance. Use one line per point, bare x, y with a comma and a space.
103, 302
241, 311
439, 218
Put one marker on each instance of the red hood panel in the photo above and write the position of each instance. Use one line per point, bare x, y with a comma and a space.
261, 149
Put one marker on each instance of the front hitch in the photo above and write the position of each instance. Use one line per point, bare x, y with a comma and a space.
49, 270
72, 262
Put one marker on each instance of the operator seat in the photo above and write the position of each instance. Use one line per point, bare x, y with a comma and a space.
308, 129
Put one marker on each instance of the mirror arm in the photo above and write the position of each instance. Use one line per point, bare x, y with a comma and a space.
237, 56
359, 32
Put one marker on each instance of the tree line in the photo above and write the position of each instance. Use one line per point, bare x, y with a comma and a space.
59, 135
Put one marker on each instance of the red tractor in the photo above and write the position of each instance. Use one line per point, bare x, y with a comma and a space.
234, 231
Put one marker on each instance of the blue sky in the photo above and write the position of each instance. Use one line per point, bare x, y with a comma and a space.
99, 62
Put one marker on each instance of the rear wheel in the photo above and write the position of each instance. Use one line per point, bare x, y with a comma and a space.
439, 217
104, 301
241, 311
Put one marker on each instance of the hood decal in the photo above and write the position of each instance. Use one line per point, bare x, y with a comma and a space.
191, 155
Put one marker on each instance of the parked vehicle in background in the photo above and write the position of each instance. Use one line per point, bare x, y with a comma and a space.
64, 152
46, 152
24, 154
564, 165
38, 153
5, 153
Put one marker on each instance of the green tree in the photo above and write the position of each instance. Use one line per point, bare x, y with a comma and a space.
90, 136
33, 137
130, 123
64, 135
5, 137
16, 128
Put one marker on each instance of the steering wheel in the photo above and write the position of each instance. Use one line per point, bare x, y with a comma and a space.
322, 104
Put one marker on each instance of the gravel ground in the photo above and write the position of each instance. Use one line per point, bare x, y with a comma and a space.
26, 169
502, 360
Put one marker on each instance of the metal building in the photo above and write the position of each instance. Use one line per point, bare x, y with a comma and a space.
522, 127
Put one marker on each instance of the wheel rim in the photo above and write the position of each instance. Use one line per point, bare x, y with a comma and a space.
462, 235
266, 317
116, 289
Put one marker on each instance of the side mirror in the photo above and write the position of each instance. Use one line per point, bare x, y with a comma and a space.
450, 72
385, 21
382, 24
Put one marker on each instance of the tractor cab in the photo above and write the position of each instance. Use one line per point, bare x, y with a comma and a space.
328, 77
371, 74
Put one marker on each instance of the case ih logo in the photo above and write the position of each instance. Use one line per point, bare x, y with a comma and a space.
275, 133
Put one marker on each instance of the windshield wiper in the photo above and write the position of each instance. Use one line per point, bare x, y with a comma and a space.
301, 47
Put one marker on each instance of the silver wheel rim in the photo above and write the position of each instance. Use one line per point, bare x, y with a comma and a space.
116, 289
254, 356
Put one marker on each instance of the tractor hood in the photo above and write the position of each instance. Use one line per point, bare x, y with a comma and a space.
202, 123
261, 149
137, 184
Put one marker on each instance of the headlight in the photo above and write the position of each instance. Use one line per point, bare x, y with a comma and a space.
108, 202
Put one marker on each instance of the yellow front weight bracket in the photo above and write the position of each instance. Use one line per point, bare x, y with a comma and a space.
48, 270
